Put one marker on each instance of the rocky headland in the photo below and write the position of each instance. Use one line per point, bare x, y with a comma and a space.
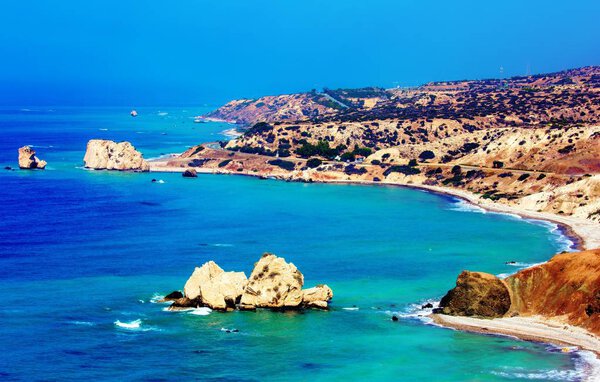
28, 160
273, 284
527, 145
109, 155
562, 294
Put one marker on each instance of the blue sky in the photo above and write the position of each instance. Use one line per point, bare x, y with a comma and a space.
186, 52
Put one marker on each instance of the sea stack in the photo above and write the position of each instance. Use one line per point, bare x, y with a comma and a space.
273, 284
109, 155
28, 160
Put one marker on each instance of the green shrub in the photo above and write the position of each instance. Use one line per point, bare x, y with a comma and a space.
313, 162
284, 164
224, 163
406, 170
425, 155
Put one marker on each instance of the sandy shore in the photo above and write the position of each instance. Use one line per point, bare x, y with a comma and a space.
538, 329
527, 328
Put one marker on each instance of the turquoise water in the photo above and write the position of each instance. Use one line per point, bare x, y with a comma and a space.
81, 250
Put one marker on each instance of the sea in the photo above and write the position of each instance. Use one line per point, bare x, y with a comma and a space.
85, 256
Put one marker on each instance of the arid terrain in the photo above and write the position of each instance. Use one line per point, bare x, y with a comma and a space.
532, 143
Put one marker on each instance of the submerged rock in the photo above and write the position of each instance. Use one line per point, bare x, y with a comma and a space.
215, 288
476, 294
28, 160
274, 283
103, 154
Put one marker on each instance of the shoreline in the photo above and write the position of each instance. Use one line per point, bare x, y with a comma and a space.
582, 234
533, 329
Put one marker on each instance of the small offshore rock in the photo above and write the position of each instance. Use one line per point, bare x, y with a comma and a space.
28, 160
427, 306
184, 303
190, 173
394, 318
176, 295
317, 297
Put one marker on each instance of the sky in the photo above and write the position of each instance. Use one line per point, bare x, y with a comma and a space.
195, 52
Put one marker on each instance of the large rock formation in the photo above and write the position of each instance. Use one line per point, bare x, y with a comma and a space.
567, 287
211, 286
28, 160
477, 294
108, 155
274, 283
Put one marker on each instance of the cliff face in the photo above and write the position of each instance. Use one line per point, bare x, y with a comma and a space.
566, 288
108, 155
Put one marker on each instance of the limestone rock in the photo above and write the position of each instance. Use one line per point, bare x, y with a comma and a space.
317, 297
477, 294
215, 288
108, 155
28, 160
274, 283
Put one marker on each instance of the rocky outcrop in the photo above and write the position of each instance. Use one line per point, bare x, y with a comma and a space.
273, 284
173, 296
567, 288
108, 155
190, 173
28, 160
211, 286
476, 294
317, 297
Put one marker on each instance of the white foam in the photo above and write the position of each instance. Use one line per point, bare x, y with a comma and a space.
156, 299
162, 113
103, 129
417, 312
352, 308
229, 330
82, 323
565, 243
132, 325
203, 311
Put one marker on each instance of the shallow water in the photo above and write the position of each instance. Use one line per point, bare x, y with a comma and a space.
84, 253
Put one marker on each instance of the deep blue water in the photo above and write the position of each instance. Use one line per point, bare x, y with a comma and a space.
82, 250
